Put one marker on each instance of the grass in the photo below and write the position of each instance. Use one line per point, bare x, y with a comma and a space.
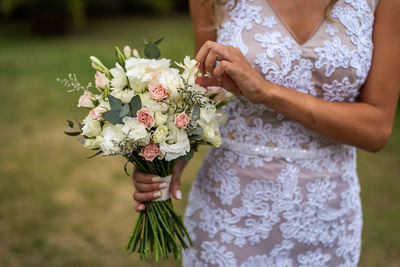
59, 209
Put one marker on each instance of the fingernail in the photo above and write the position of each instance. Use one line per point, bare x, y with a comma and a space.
156, 179
157, 194
141, 207
178, 194
163, 185
218, 78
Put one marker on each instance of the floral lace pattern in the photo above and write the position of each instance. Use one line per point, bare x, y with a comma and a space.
277, 193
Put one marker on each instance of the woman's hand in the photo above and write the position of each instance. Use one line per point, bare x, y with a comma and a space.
234, 72
148, 185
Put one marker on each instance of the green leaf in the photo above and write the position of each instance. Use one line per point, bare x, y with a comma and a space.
70, 124
125, 111
115, 103
197, 131
152, 51
196, 112
72, 133
135, 105
159, 41
193, 123
94, 155
188, 156
113, 117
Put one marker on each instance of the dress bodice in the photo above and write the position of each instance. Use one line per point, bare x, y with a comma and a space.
332, 65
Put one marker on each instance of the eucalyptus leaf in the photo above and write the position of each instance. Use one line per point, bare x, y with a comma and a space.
115, 103
113, 117
196, 112
188, 156
125, 111
193, 123
72, 133
197, 131
152, 51
135, 105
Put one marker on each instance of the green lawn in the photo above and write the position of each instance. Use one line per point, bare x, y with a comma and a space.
59, 209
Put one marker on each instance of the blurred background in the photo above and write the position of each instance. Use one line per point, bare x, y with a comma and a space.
59, 209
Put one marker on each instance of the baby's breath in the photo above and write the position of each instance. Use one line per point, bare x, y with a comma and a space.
72, 82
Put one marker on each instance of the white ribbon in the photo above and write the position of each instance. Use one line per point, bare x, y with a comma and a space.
165, 194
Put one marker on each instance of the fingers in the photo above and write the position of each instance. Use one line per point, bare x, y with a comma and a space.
208, 81
149, 187
210, 62
139, 206
175, 187
145, 197
145, 178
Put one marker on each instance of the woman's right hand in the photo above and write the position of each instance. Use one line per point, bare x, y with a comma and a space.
148, 186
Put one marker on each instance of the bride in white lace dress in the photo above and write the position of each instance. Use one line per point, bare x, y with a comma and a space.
283, 188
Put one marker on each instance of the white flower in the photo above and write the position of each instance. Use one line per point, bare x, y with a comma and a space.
119, 80
93, 143
151, 104
208, 113
135, 131
171, 80
180, 148
160, 134
103, 103
112, 135
160, 119
124, 95
191, 69
91, 128
211, 134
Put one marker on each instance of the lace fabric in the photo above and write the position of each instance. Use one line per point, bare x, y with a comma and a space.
277, 193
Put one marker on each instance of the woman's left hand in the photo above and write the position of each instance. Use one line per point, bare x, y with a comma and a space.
234, 72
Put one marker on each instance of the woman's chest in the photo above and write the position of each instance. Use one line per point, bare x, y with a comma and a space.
332, 64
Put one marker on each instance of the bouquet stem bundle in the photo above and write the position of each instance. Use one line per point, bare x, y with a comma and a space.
158, 228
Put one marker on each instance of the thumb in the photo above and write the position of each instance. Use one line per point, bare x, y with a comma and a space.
175, 186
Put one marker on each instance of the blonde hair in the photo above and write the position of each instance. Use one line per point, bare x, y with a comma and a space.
218, 11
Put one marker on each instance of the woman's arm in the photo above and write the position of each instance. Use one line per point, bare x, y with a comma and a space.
203, 25
366, 124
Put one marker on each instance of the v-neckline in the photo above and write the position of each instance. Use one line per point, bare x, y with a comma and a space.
291, 32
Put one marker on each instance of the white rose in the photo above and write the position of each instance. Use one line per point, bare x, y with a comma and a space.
124, 95
171, 80
135, 131
160, 134
112, 134
93, 143
119, 80
160, 118
180, 148
91, 128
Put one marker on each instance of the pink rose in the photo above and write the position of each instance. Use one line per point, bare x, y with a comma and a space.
150, 152
157, 91
101, 80
146, 117
181, 120
85, 101
96, 113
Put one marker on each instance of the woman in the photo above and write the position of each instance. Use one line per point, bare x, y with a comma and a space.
283, 188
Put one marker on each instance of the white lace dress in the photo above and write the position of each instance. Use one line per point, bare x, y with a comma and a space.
277, 193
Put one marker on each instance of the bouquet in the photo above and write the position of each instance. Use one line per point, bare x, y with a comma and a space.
152, 114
